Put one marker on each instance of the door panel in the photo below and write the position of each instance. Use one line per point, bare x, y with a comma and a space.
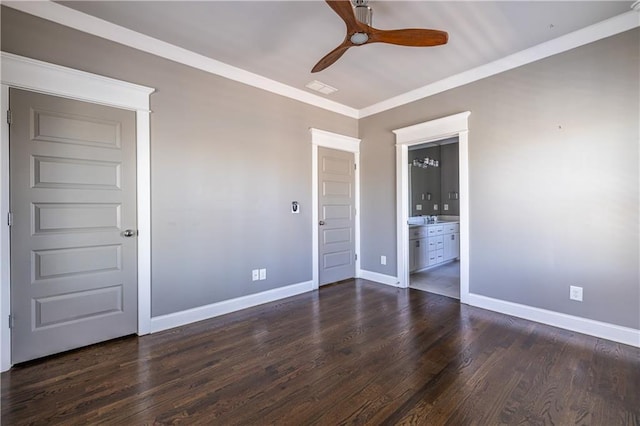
336, 180
73, 273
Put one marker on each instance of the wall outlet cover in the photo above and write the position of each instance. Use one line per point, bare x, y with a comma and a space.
263, 274
383, 260
255, 275
575, 293
418, 206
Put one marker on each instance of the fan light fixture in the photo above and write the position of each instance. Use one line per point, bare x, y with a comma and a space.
359, 38
357, 15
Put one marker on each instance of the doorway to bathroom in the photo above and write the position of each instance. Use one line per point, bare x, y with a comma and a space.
456, 125
434, 217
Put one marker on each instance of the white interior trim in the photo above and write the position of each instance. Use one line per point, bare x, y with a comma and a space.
38, 76
442, 128
616, 333
341, 143
378, 277
89, 24
590, 34
177, 319
5, 273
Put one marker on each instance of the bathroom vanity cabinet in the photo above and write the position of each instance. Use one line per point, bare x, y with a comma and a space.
431, 245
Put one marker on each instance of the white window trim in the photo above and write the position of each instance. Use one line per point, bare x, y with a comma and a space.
341, 143
442, 128
37, 76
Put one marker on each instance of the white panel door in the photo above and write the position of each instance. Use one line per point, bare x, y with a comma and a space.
73, 238
336, 228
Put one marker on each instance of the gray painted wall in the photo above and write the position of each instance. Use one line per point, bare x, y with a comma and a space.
424, 183
226, 160
435, 188
450, 176
553, 175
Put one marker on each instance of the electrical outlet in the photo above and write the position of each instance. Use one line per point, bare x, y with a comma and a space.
418, 206
435, 207
263, 274
575, 293
383, 260
445, 206
255, 275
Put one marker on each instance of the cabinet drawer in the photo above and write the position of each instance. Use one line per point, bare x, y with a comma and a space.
433, 257
451, 228
417, 232
436, 243
436, 230
440, 256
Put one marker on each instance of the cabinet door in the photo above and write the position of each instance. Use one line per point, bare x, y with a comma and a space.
413, 250
456, 245
423, 252
451, 246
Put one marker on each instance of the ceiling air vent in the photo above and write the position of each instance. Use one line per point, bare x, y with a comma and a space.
321, 87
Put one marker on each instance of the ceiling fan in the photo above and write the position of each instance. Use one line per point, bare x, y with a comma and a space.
357, 18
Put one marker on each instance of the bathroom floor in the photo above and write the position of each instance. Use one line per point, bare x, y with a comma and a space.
443, 280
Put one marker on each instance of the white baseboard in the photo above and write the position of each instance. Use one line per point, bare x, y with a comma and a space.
616, 333
377, 277
177, 319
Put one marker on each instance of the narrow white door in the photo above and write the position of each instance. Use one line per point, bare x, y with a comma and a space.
336, 228
73, 204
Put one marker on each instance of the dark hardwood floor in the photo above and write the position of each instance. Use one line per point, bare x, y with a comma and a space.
352, 353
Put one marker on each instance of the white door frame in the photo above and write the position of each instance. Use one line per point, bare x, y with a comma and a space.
37, 76
341, 143
442, 128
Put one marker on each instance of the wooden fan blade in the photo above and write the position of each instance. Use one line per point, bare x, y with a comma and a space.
332, 56
345, 11
408, 37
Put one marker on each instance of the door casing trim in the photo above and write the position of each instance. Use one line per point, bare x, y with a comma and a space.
37, 76
341, 143
429, 131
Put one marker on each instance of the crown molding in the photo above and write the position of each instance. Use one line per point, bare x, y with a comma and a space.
595, 32
89, 24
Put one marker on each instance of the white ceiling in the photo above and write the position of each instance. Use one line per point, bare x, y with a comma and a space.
282, 40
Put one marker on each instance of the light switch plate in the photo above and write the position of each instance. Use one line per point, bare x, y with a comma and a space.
255, 275
263, 274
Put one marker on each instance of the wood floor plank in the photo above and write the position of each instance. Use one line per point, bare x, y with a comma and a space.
352, 353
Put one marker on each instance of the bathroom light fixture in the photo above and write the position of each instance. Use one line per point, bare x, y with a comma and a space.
426, 162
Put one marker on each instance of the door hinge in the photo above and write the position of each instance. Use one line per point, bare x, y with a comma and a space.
9, 117
355, 166
9, 219
12, 321
356, 256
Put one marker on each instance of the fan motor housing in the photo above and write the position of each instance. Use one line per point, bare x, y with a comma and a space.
363, 11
